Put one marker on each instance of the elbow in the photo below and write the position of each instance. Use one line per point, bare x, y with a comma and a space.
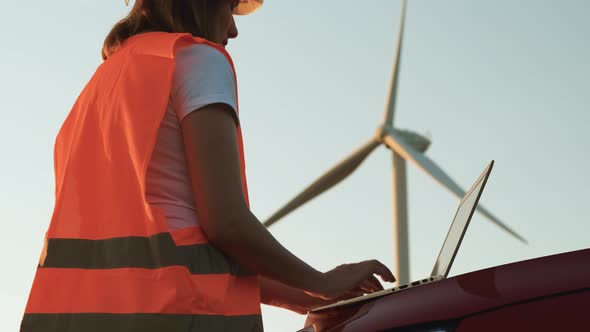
221, 238
224, 232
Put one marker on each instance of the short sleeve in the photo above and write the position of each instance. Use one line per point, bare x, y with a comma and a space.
202, 76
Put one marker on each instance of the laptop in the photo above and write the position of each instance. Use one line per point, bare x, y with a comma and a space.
449, 248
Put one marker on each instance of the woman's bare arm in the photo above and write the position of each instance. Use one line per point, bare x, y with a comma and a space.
212, 155
214, 166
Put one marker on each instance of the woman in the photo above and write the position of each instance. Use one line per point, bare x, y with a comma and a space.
151, 229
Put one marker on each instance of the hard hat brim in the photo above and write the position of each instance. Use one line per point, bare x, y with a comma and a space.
246, 7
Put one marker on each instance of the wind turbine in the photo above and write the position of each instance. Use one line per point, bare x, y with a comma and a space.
405, 146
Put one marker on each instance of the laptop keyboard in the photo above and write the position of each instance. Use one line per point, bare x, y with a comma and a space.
378, 294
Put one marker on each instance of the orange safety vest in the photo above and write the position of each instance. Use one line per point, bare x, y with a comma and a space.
109, 262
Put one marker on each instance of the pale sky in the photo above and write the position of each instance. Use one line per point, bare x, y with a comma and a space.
500, 80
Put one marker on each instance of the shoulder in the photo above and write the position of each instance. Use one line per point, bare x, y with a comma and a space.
203, 55
204, 68
202, 76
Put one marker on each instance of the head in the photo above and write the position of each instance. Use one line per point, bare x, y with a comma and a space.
209, 19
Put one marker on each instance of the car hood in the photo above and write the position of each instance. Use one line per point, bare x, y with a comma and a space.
462, 295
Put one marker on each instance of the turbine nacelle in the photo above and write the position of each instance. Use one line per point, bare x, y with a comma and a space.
417, 141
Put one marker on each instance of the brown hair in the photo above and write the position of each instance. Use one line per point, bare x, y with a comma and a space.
191, 16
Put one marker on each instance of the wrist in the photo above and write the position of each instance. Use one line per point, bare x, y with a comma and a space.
317, 284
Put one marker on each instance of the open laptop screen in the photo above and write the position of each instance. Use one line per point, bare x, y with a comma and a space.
458, 227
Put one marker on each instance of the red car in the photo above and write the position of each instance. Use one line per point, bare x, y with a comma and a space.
550, 293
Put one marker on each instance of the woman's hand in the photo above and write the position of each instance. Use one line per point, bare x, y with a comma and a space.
350, 280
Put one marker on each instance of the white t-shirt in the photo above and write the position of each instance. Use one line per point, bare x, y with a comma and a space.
203, 76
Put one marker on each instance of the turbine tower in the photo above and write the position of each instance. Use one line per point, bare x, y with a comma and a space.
405, 146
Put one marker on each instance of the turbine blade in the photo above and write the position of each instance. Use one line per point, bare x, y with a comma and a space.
327, 181
397, 144
389, 111
495, 220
